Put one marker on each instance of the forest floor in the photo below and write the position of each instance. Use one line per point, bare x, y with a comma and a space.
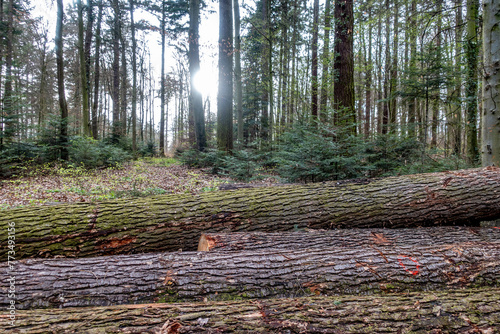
152, 176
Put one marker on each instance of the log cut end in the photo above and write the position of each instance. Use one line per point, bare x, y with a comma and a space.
206, 243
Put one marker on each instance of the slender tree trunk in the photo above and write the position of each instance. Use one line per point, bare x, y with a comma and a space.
435, 104
172, 222
8, 98
344, 64
314, 63
393, 84
225, 94
83, 74
412, 103
88, 43
266, 73
116, 72
191, 276
491, 84
63, 106
368, 78
325, 79
134, 78
162, 80
471, 53
124, 85
97, 73
194, 68
387, 71
457, 115
238, 89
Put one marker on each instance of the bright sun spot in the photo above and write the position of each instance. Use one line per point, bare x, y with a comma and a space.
205, 83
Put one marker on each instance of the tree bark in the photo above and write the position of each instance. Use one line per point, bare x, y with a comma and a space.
320, 239
491, 85
196, 99
343, 65
83, 74
238, 85
314, 63
116, 135
194, 276
225, 94
63, 105
423, 312
134, 78
97, 73
471, 54
170, 222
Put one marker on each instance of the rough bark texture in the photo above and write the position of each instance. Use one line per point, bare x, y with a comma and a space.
321, 239
194, 276
460, 311
173, 222
225, 92
491, 84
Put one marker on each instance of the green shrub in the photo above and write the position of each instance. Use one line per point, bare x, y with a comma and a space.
93, 154
308, 154
242, 165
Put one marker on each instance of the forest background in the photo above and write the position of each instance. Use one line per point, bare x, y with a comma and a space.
307, 91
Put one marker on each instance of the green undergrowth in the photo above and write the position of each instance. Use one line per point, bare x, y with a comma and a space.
311, 154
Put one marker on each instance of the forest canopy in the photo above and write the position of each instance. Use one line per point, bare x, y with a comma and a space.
312, 90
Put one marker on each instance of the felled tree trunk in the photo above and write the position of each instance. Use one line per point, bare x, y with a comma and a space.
458, 311
172, 222
195, 276
428, 236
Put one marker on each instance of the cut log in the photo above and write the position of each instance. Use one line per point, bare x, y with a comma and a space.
428, 236
195, 276
459, 311
173, 222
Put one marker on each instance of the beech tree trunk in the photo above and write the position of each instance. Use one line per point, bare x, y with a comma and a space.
173, 222
460, 311
320, 239
195, 276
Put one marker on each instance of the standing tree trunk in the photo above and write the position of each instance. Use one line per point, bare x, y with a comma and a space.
238, 89
162, 80
8, 98
266, 51
368, 78
97, 73
472, 54
134, 78
343, 91
225, 94
435, 103
314, 63
393, 84
83, 74
173, 222
325, 79
63, 106
194, 68
124, 85
116, 72
491, 84
387, 70
457, 115
412, 103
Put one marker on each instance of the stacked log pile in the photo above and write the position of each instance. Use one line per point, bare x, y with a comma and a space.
268, 260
